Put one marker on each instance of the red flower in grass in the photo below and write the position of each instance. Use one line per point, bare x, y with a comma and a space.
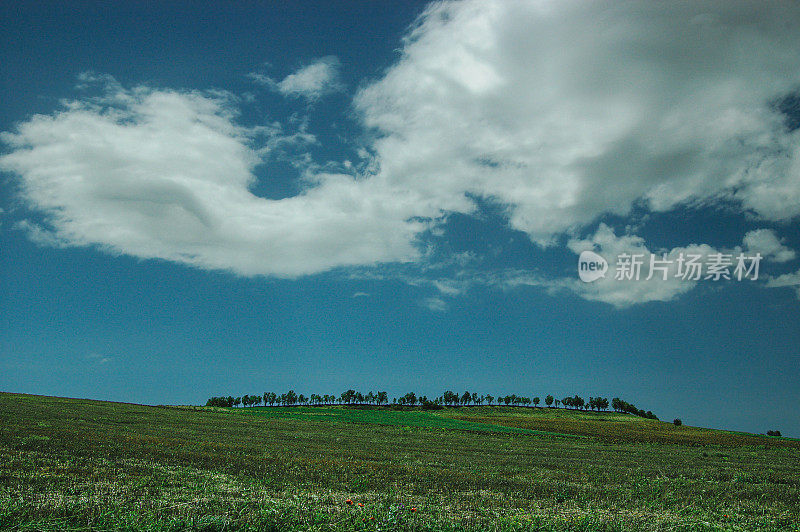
413, 509
349, 501
361, 504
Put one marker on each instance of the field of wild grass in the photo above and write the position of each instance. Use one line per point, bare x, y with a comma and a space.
68, 464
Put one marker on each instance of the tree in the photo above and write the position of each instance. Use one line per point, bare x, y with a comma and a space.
476, 398
489, 399
466, 397
616, 404
382, 398
237, 401
450, 397
348, 397
410, 398
224, 402
677, 422
430, 405
548, 400
535, 401
578, 401
291, 397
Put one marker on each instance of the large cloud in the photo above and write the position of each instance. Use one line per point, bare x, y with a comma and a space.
560, 111
567, 110
164, 174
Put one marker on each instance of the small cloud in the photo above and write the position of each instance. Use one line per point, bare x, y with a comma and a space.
310, 82
98, 358
788, 280
435, 304
261, 79
766, 242
448, 287
360, 294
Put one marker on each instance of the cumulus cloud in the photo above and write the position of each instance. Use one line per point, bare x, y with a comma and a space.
311, 82
564, 111
659, 285
166, 174
791, 280
766, 242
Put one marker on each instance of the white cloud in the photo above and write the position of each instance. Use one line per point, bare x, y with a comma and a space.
766, 242
624, 292
435, 304
311, 82
98, 358
166, 174
568, 110
448, 287
786, 280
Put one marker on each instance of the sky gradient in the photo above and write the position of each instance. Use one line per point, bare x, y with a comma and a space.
206, 199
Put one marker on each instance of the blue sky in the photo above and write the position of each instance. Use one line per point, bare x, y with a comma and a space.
202, 199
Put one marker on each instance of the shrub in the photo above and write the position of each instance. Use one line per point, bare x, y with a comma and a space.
430, 405
677, 422
774, 433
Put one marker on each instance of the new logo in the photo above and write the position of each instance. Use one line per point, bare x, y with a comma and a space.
591, 266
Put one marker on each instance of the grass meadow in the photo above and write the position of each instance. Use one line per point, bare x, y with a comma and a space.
69, 464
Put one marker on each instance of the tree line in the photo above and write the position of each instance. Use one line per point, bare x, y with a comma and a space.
448, 398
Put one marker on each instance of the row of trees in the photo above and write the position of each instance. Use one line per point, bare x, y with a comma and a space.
449, 398
621, 406
290, 398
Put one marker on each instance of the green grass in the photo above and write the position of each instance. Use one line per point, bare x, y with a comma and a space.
409, 417
69, 464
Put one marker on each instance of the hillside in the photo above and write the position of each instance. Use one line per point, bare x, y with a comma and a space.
68, 463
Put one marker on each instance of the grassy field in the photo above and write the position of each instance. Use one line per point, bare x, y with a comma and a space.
68, 464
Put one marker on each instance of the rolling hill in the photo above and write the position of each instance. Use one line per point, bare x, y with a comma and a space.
94, 465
